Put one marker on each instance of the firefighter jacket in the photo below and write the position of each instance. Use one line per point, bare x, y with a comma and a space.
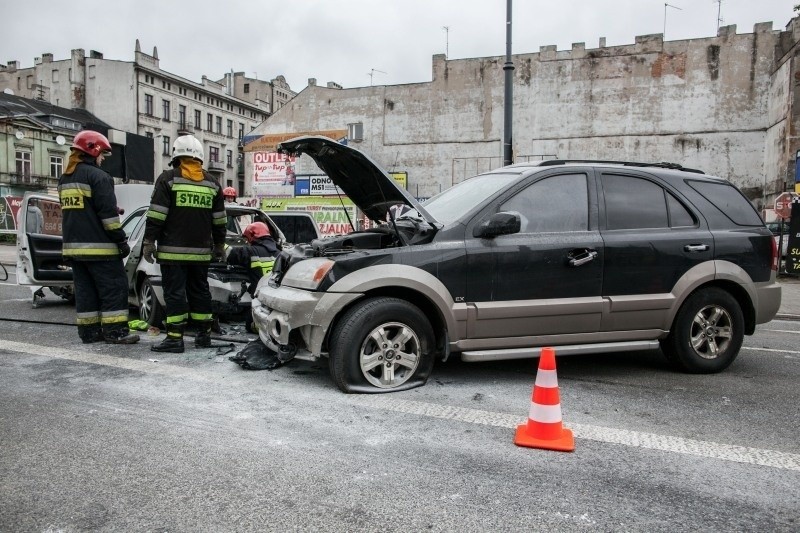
91, 229
259, 257
186, 218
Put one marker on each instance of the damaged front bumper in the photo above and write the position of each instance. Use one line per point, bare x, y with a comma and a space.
297, 320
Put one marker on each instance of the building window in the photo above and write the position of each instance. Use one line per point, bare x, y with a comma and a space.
148, 104
219, 125
230, 128
55, 76
229, 158
209, 122
246, 88
182, 116
165, 148
24, 165
165, 105
213, 154
355, 132
56, 166
241, 131
148, 134
198, 119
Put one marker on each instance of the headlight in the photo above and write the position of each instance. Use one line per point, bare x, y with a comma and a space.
307, 274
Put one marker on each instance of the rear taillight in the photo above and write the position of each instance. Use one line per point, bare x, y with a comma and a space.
775, 256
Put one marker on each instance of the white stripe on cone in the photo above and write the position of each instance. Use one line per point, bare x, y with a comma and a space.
547, 414
546, 378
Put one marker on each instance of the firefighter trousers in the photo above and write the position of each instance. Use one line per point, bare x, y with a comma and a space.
101, 297
186, 294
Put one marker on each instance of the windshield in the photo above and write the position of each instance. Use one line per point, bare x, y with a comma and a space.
449, 205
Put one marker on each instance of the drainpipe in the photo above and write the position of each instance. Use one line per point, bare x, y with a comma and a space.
508, 67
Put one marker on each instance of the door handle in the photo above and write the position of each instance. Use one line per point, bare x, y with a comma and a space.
581, 258
695, 248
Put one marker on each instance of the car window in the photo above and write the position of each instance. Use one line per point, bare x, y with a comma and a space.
130, 223
730, 201
449, 205
43, 217
633, 203
557, 203
679, 216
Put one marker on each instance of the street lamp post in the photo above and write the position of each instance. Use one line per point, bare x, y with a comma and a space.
508, 67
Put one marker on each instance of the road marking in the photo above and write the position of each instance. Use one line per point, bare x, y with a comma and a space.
769, 350
780, 331
651, 441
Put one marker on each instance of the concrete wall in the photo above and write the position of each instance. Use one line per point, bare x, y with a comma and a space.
718, 103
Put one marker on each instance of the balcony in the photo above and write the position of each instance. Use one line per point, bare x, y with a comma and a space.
33, 182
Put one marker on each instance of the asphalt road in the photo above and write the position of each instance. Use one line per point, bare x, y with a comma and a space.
118, 438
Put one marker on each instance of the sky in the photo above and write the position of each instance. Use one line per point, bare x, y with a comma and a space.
354, 43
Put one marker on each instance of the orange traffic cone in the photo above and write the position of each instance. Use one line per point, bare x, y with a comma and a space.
544, 429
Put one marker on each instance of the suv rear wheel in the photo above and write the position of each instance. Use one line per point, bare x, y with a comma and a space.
707, 333
150, 309
381, 345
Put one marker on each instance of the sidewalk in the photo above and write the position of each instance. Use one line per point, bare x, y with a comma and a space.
790, 298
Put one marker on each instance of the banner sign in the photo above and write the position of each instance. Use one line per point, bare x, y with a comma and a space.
273, 174
269, 142
9, 206
330, 214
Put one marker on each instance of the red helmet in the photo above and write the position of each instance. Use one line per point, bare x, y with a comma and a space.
255, 231
91, 142
229, 192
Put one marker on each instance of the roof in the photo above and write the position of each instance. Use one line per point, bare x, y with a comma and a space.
17, 106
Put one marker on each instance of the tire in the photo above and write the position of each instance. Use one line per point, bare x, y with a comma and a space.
150, 310
361, 363
707, 333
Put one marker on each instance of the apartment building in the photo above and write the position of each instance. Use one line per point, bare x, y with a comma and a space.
138, 96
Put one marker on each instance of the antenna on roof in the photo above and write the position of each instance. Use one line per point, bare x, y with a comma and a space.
719, 14
372, 72
446, 41
666, 5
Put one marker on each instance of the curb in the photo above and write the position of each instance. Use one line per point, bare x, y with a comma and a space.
785, 316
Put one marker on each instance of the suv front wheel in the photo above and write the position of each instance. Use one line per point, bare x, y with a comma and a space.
381, 345
707, 333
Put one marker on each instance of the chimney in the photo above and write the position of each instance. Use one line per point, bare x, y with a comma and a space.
602, 42
47, 58
333, 85
13, 65
312, 82
94, 54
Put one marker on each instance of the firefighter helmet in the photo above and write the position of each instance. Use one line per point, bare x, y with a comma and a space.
229, 193
255, 231
92, 143
187, 146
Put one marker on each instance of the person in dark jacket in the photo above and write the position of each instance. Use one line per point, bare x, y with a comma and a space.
259, 256
94, 243
186, 221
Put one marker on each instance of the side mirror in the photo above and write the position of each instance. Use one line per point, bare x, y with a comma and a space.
503, 223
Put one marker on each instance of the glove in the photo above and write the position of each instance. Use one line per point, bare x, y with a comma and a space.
219, 252
124, 249
148, 248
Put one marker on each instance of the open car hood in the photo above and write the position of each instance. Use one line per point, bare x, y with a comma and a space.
358, 176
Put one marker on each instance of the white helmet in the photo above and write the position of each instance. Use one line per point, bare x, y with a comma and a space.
188, 146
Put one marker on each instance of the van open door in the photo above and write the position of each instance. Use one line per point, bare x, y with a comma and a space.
39, 245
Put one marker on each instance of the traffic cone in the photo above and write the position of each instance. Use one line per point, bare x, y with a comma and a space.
544, 429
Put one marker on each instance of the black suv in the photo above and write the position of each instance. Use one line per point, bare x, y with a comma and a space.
585, 256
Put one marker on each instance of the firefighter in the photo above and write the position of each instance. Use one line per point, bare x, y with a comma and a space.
259, 256
185, 229
229, 193
94, 242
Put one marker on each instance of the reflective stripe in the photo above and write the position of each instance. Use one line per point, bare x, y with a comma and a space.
180, 180
545, 413
177, 319
156, 216
220, 221
184, 249
116, 319
111, 223
220, 214
84, 187
87, 318
262, 263
183, 257
90, 249
546, 378
199, 189
203, 317
159, 208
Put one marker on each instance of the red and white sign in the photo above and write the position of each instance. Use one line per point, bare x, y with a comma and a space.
783, 204
273, 174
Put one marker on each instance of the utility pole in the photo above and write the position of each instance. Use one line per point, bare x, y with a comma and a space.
666, 5
508, 103
446, 41
372, 72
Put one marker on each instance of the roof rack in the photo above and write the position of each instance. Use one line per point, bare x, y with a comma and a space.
671, 166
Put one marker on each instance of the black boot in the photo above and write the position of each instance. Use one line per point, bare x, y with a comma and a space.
90, 334
120, 336
203, 337
174, 341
